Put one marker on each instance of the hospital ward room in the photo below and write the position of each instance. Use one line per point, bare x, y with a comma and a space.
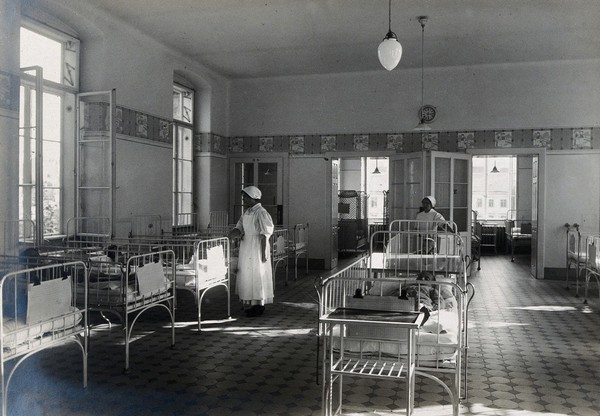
299, 208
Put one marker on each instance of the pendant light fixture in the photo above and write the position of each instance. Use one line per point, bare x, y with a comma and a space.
376, 171
389, 50
426, 113
495, 169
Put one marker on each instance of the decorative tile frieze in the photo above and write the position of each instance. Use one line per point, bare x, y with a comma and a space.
141, 125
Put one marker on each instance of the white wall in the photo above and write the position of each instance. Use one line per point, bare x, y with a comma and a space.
572, 195
213, 176
144, 181
9, 116
530, 95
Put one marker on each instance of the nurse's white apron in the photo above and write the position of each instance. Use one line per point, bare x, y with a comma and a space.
254, 278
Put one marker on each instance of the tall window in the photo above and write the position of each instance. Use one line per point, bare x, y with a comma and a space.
490, 185
183, 155
48, 63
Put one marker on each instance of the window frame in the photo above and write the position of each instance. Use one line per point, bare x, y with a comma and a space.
182, 166
65, 91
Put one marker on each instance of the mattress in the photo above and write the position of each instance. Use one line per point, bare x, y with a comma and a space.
110, 293
17, 331
581, 257
209, 272
430, 347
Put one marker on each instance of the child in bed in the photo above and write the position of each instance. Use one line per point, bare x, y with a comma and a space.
431, 296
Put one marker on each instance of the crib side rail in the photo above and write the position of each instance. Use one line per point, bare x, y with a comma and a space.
85, 232
279, 243
212, 259
151, 284
592, 244
39, 304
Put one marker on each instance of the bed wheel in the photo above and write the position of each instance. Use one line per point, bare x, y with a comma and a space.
585, 302
126, 371
576, 295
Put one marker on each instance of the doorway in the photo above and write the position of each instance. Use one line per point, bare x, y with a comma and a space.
508, 203
362, 201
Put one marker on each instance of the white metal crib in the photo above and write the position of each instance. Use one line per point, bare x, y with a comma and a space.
130, 280
279, 251
208, 267
592, 265
41, 308
298, 246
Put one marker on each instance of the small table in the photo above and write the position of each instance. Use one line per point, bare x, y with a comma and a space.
340, 364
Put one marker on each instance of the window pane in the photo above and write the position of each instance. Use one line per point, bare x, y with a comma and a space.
26, 203
51, 211
185, 203
377, 185
183, 104
185, 176
94, 202
496, 190
185, 144
42, 51
32, 114
52, 117
51, 164
188, 108
27, 162
176, 105
94, 160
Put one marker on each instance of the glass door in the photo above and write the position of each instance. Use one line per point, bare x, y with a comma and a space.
264, 173
450, 185
407, 185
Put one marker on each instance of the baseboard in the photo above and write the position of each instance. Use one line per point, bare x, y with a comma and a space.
556, 273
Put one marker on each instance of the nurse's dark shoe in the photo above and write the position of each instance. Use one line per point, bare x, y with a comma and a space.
255, 310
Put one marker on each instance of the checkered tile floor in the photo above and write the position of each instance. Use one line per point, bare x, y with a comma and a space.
534, 350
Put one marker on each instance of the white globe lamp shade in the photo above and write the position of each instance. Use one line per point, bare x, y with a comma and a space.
389, 51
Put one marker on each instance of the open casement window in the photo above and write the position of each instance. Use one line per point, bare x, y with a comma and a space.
49, 82
444, 175
183, 156
95, 167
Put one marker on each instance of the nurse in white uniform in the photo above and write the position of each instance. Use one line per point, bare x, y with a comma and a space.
254, 284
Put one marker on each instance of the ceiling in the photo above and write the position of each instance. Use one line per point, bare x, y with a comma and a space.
267, 38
